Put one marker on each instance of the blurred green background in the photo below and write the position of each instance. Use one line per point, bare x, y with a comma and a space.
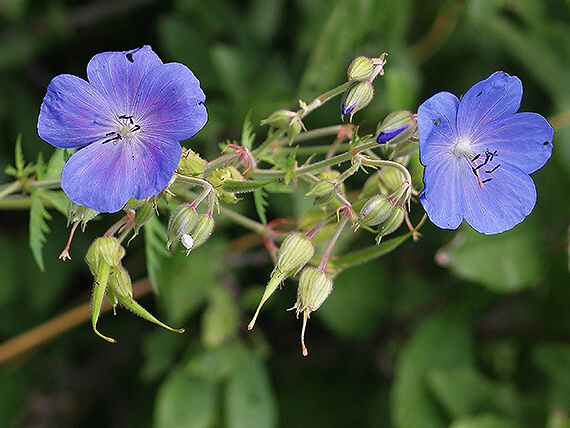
455, 330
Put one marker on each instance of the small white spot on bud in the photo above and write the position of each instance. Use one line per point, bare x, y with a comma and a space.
187, 241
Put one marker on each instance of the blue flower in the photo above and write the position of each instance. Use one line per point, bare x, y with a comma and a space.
478, 153
126, 120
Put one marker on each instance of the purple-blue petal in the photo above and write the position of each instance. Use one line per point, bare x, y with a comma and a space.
72, 114
501, 203
497, 96
442, 196
385, 136
103, 176
436, 126
521, 139
171, 102
117, 76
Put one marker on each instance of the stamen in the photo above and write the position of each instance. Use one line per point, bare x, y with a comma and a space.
493, 169
486, 181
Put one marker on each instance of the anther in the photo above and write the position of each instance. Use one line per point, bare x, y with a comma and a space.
493, 169
486, 180
476, 157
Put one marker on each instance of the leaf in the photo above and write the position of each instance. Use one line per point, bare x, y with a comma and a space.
442, 341
506, 263
55, 165
260, 202
220, 320
485, 420
463, 391
554, 360
186, 401
56, 199
242, 186
247, 134
290, 165
38, 228
370, 253
155, 249
359, 301
249, 399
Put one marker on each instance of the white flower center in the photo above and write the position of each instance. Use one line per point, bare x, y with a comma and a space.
462, 149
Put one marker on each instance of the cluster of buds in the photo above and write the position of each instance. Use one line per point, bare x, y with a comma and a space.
361, 73
191, 164
294, 253
113, 281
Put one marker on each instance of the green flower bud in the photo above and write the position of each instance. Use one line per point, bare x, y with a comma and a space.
314, 288
391, 224
120, 283
279, 119
191, 164
371, 186
182, 221
106, 249
375, 211
360, 68
295, 251
202, 231
391, 179
397, 127
357, 96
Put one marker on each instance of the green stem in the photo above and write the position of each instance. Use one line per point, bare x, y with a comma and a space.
8, 189
244, 221
276, 135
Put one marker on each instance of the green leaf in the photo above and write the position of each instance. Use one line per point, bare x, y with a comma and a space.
358, 303
370, 253
38, 228
55, 165
242, 186
19, 161
155, 249
260, 202
56, 199
554, 360
184, 282
247, 134
485, 420
442, 341
463, 391
220, 320
507, 262
249, 399
186, 401
290, 165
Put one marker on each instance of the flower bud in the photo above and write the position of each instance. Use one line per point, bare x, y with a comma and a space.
375, 211
363, 68
182, 221
105, 249
391, 224
295, 251
323, 191
360, 68
397, 127
314, 288
202, 231
357, 96
279, 119
120, 284
191, 164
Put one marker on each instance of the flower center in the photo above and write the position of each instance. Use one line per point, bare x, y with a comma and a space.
126, 125
462, 149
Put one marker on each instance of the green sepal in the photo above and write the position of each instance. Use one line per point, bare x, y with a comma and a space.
133, 306
99, 288
241, 186
276, 278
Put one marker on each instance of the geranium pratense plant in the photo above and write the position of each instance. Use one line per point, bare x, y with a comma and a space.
478, 153
126, 121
